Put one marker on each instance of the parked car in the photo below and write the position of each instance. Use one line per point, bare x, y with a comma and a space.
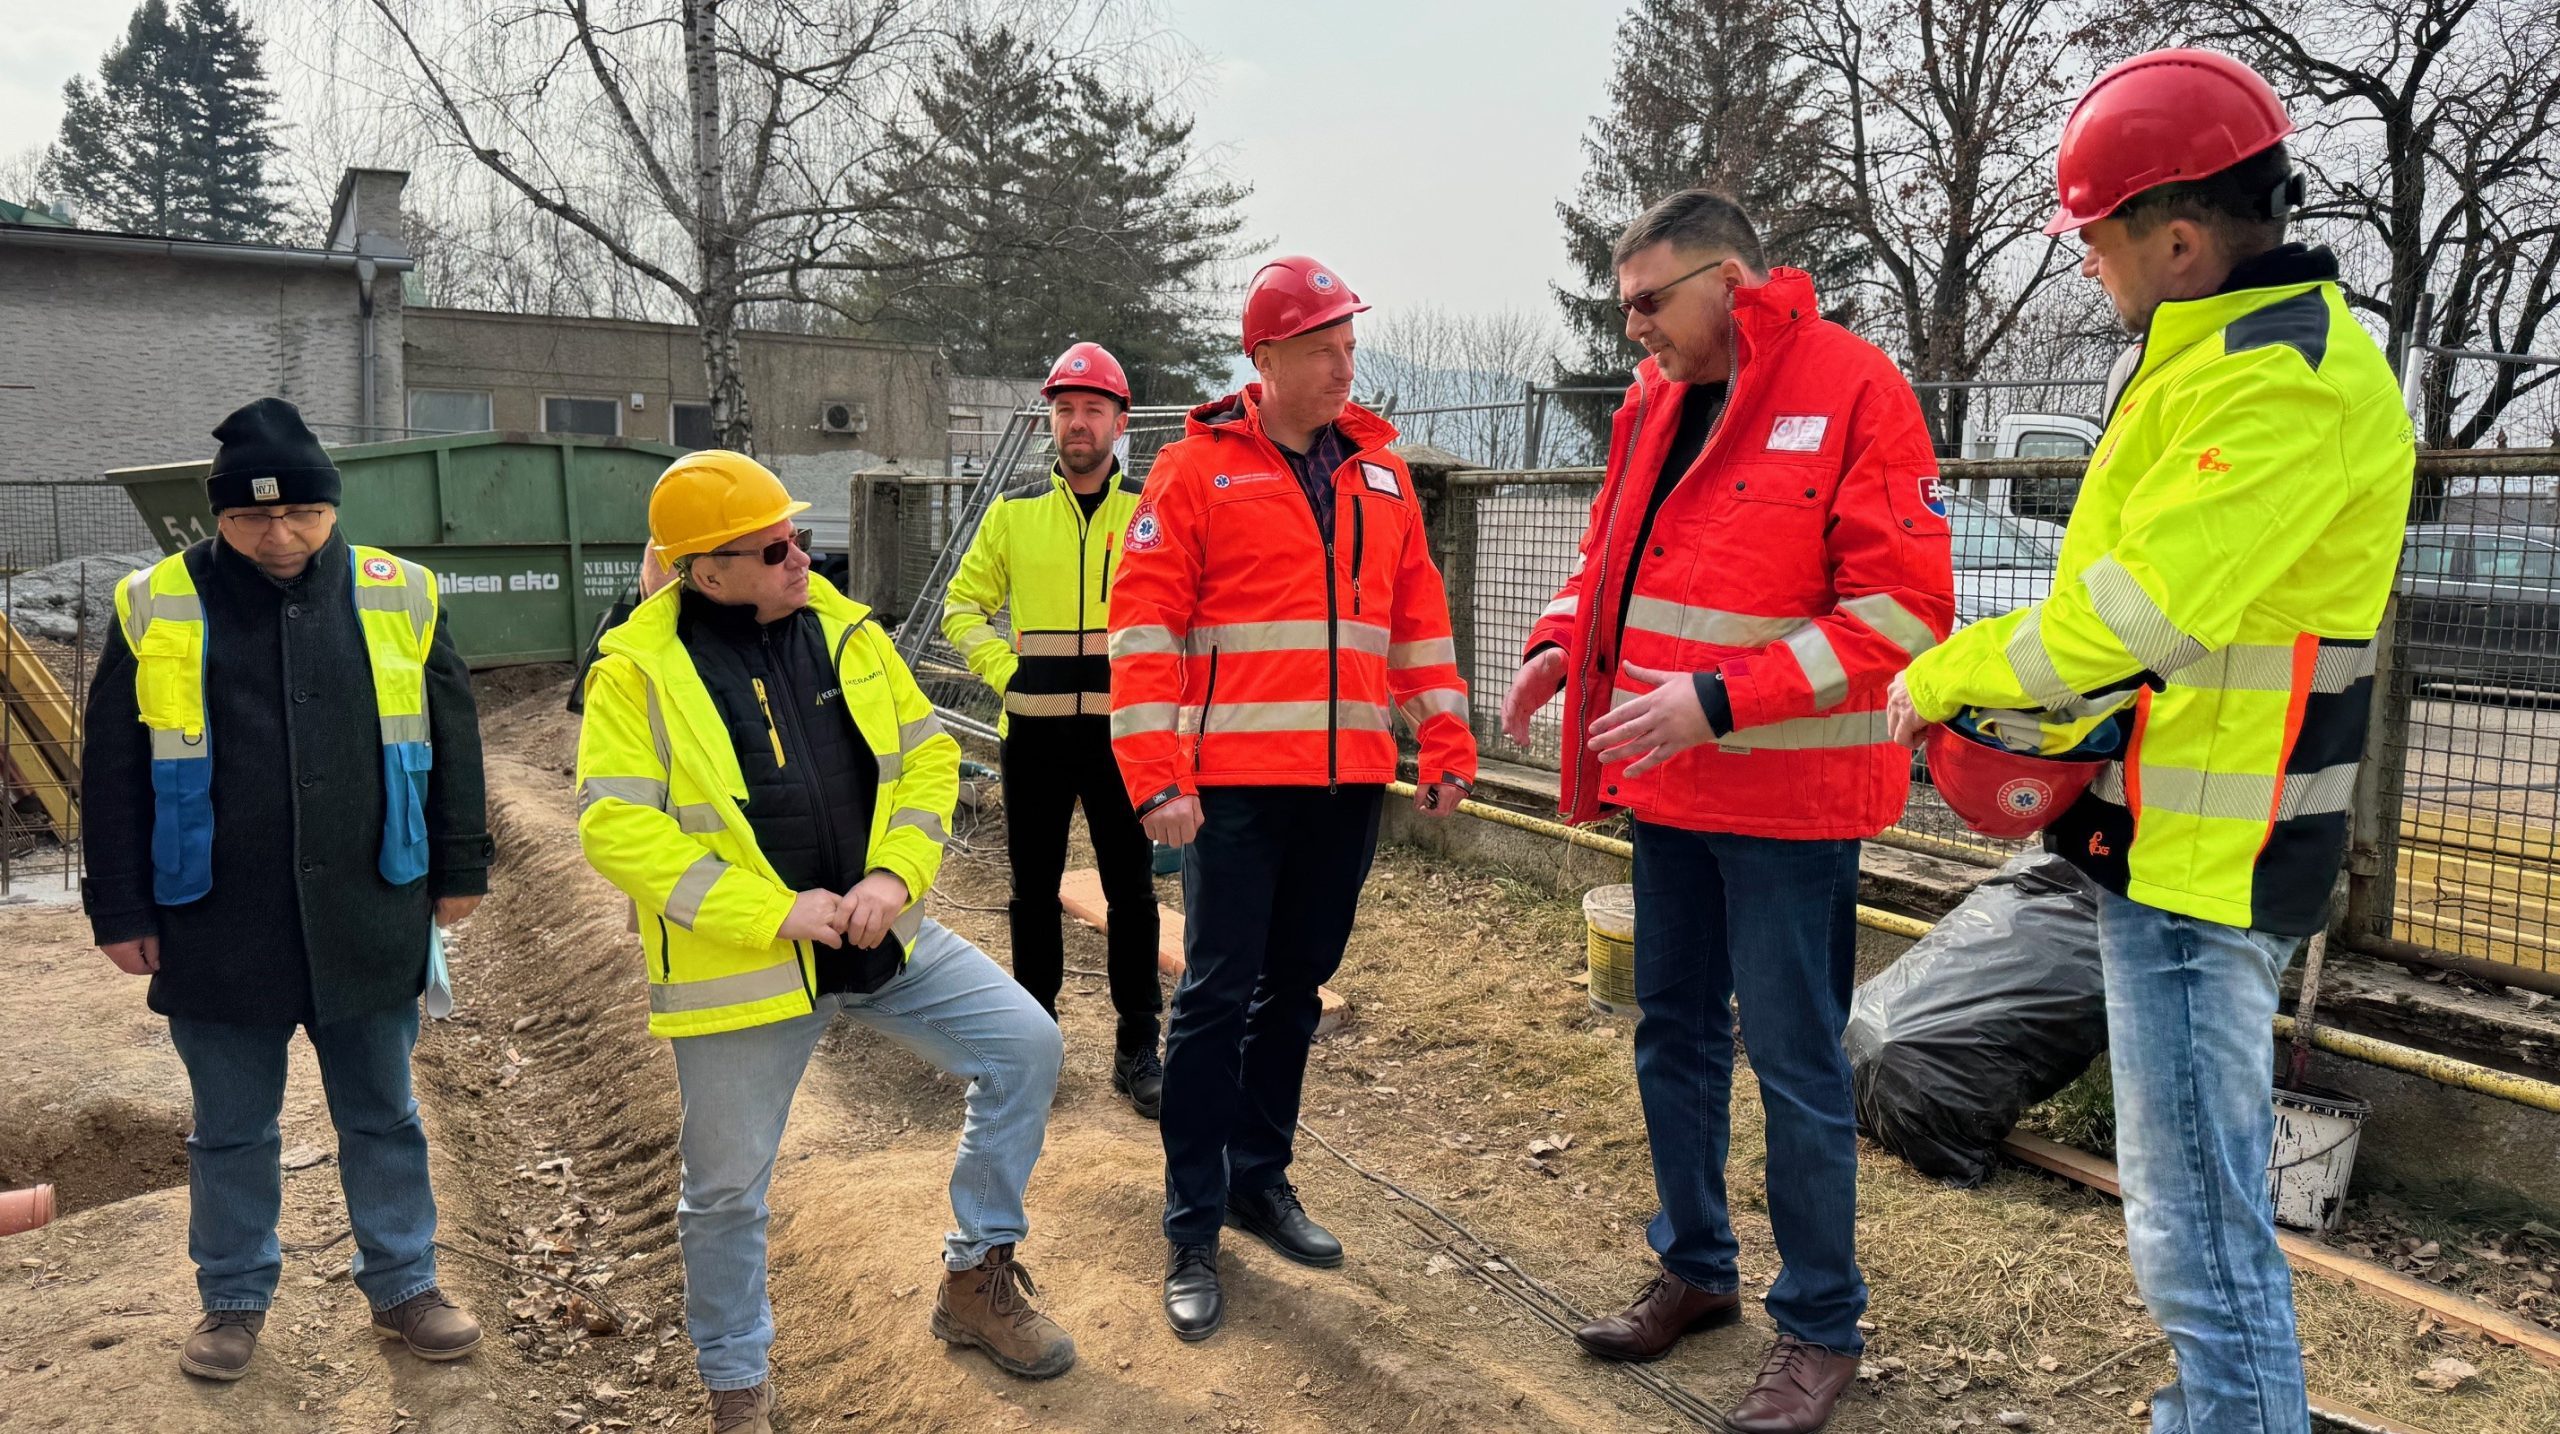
2480, 605
2000, 562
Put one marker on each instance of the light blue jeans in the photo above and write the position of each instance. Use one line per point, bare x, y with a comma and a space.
2190, 1010
952, 1007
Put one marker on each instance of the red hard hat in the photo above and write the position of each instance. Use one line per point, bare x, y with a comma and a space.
2158, 118
1087, 365
2001, 793
1292, 295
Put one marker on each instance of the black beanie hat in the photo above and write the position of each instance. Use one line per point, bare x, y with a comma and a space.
269, 456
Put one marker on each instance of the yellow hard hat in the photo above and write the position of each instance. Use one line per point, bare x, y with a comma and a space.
705, 499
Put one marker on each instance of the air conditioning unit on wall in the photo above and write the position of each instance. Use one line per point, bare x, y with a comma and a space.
842, 416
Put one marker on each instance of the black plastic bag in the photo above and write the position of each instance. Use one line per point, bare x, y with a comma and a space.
2000, 1006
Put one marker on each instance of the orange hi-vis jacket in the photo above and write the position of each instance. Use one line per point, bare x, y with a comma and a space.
1247, 649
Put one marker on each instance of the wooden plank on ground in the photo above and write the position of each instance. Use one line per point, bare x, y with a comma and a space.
1081, 894
2305, 1253
29, 686
30, 768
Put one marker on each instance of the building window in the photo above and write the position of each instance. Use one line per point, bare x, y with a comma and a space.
448, 410
689, 425
595, 417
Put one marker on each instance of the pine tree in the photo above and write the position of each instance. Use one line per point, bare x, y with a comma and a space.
1704, 94
176, 135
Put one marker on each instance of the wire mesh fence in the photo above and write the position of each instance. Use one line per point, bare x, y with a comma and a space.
44, 523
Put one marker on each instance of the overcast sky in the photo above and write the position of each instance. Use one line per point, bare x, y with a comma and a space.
1416, 146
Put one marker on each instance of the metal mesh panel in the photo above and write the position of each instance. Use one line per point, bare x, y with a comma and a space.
1508, 541
44, 523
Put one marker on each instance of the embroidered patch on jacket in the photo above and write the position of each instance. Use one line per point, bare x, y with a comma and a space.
379, 569
1798, 433
1145, 534
1381, 478
1933, 494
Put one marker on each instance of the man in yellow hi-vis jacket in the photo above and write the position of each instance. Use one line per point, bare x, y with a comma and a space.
761, 774
2217, 596
1044, 554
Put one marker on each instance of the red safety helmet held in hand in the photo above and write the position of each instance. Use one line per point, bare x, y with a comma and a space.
1998, 792
1293, 295
2159, 118
1091, 366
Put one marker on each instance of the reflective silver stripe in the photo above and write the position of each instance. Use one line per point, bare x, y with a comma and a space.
2331, 789
912, 735
1433, 702
780, 979
2136, 620
1145, 639
1706, 624
657, 724
1821, 664
638, 791
2341, 667
924, 821
1062, 644
684, 904
1293, 635
1805, 734
403, 599
908, 925
2240, 796
2034, 665
1429, 652
171, 745
422, 595
697, 817
979, 636
2241, 667
1886, 614
1286, 717
148, 606
2109, 784
1566, 606
1040, 704
411, 728
951, 604
1141, 718
891, 764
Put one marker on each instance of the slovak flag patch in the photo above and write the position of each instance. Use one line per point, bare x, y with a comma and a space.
1381, 479
1145, 533
1798, 432
1933, 494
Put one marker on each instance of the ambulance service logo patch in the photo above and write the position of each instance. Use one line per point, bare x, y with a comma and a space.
1320, 281
2024, 797
1078, 365
380, 569
1933, 494
1222, 480
1798, 433
1145, 533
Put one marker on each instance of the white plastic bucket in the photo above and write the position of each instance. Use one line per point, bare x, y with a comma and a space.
2315, 1155
1609, 949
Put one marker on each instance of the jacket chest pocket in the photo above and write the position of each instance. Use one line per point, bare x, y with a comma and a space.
1258, 514
1766, 490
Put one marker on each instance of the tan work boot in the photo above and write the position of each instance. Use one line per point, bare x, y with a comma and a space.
743, 1411
989, 1306
222, 1343
432, 1326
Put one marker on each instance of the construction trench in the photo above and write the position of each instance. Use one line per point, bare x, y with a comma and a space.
1475, 1138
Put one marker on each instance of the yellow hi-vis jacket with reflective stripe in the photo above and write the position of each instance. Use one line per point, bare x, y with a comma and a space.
661, 813
1037, 553
161, 617
2219, 588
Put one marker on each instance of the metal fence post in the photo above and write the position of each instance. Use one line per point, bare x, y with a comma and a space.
2373, 825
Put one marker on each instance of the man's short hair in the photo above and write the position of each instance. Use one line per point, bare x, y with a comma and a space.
2234, 205
1700, 220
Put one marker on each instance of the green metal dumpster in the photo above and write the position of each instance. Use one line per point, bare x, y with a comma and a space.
531, 535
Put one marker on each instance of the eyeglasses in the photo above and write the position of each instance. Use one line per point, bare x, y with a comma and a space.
253, 520
1649, 302
773, 553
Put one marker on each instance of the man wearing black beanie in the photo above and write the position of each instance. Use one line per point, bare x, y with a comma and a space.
299, 698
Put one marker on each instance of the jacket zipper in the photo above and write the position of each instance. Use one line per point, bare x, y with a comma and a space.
809, 781
1359, 545
770, 730
666, 963
1084, 540
1208, 697
1591, 645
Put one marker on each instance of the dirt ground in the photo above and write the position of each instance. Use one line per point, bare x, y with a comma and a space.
553, 1119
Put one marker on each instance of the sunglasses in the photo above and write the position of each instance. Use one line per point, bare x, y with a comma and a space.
773, 553
1649, 302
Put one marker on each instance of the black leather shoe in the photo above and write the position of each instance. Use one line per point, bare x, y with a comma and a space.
1193, 1303
1140, 1076
1275, 1217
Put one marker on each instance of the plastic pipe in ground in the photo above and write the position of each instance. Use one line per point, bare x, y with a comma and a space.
23, 1210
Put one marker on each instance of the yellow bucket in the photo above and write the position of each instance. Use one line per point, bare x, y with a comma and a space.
1609, 946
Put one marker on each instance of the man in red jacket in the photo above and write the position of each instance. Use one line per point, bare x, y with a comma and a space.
1768, 549
1276, 604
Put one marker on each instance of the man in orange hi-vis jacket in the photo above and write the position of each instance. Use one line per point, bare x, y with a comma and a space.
1276, 603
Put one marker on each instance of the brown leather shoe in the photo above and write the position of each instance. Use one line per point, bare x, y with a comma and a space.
1798, 1384
989, 1306
432, 1326
222, 1344
743, 1411
1667, 1309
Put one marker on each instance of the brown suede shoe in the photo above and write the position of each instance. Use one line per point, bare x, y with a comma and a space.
1798, 1384
222, 1344
989, 1306
432, 1326
1667, 1309
743, 1411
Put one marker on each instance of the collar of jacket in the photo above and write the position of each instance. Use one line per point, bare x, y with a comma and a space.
1239, 415
2180, 324
1110, 485
648, 639
1762, 313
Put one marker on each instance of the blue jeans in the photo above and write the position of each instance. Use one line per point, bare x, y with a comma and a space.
1775, 924
2190, 1004
952, 1007
235, 1181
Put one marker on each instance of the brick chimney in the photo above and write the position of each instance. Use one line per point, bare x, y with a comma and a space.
365, 218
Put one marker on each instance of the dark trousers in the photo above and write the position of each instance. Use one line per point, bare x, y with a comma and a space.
1268, 891
1050, 764
1773, 923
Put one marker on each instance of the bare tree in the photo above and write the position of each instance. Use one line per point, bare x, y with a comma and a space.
1474, 368
1948, 112
18, 175
730, 152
